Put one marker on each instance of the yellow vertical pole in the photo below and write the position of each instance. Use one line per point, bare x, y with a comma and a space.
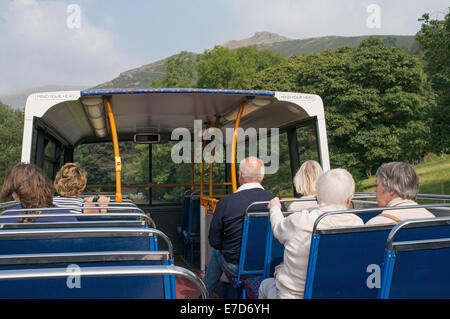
233, 147
118, 162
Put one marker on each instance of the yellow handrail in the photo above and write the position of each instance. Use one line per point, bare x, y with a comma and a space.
233, 148
118, 162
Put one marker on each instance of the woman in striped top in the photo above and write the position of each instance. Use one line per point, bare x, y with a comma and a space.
70, 183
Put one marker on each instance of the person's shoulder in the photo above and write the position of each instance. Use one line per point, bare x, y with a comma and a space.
379, 220
258, 192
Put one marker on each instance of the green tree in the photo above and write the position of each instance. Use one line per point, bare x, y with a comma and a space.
11, 131
223, 68
377, 101
434, 37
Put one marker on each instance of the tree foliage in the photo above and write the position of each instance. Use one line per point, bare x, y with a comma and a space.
377, 101
223, 68
11, 131
434, 37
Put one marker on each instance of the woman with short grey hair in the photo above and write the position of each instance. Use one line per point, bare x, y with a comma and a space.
397, 185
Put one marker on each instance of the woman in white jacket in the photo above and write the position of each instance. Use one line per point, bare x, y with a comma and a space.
335, 190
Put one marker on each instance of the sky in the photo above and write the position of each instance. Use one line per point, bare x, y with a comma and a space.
88, 42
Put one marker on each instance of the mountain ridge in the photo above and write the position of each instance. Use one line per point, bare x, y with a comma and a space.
141, 77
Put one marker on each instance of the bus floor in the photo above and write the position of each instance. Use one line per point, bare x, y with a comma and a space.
184, 288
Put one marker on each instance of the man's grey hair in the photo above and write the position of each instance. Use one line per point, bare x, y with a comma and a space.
252, 168
335, 187
399, 177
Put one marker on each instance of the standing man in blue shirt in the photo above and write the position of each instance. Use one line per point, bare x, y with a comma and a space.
225, 233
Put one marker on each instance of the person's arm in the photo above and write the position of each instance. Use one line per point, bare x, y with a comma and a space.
283, 227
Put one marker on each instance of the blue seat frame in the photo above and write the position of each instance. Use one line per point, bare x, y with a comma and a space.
339, 259
105, 280
72, 240
417, 268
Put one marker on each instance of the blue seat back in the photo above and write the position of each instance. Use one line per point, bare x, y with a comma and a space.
274, 254
184, 214
105, 286
340, 261
193, 226
417, 266
254, 245
421, 273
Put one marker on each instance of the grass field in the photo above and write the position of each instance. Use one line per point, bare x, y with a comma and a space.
434, 177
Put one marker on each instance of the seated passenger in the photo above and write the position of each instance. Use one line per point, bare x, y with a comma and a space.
30, 188
305, 181
225, 232
335, 190
397, 185
70, 182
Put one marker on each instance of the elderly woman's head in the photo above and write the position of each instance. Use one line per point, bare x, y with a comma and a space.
305, 180
71, 180
396, 179
28, 185
335, 188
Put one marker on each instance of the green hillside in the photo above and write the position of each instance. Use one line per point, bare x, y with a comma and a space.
434, 177
316, 45
142, 77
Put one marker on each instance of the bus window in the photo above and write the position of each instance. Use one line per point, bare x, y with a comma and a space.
166, 172
97, 160
53, 157
280, 183
307, 143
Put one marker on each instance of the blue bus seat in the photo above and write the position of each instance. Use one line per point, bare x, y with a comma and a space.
107, 275
132, 287
340, 260
418, 268
191, 233
184, 214
252, 260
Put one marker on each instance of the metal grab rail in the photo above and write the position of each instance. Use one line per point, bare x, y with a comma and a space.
436, 221
346, 211
55, 233
83, 257
374, 210
286, 201
8, 204
418, 196
84, 215
107, 271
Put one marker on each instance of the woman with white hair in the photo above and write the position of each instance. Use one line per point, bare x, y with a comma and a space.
335, 190
305, 183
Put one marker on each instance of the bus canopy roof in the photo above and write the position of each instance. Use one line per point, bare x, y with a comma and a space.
78, 117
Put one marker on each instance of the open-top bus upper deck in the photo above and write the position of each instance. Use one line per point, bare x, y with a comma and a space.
75, 117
